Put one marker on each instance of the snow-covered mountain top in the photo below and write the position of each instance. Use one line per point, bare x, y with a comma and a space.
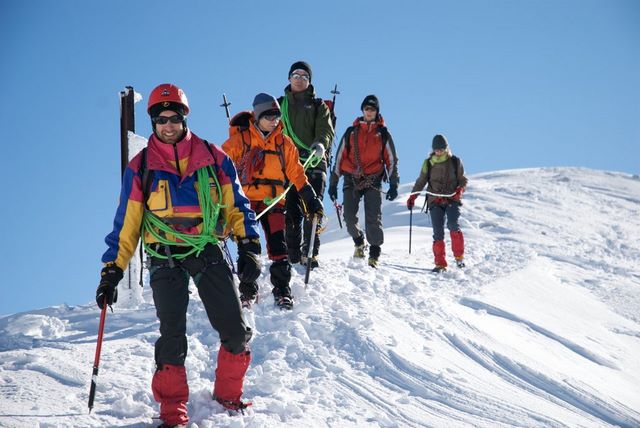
542, 329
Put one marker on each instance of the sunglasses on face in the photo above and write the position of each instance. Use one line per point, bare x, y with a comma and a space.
270, 117
369, 109
296, 76
163, 120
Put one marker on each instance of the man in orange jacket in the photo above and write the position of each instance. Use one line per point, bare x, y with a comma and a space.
266, 161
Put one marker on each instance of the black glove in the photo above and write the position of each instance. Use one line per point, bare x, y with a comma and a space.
110, 276
249, 265
392, 193
312, 205
333, 192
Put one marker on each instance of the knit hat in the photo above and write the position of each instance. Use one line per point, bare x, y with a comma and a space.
439, 142
370, 101
264, 103
300, 65
155, 110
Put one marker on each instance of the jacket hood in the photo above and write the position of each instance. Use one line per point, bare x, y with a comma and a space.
160, 155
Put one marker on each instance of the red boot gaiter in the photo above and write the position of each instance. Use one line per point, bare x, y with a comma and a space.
457, 244
170, 389
439, 253
230, 375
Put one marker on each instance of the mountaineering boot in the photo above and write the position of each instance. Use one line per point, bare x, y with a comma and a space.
457, 244
374, 255
282, 298
314, 261
227, 388
172, 426
248, 293
439, 254
439, 269
360, 247
280, 278
460, 262
170, 389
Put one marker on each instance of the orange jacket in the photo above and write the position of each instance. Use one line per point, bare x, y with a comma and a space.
264, 164
374, 151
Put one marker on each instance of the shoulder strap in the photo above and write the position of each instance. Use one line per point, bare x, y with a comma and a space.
147, 176
384, 134
347, 138
456, 161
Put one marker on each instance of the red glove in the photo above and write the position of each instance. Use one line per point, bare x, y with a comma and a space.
459, 192
412, 201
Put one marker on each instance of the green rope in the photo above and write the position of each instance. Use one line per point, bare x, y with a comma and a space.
271, 202
159, 230
288, 131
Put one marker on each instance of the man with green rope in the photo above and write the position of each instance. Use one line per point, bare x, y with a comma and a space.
173, 195
307, 121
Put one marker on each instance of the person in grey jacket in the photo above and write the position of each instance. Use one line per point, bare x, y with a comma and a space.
443, 174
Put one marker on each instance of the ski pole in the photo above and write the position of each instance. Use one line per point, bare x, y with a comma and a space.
312, 242
338, 211
226, 105
96, 361
410, 227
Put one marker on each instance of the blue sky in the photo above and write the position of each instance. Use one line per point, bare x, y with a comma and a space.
512, 84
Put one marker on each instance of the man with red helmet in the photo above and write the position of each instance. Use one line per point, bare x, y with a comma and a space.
173, 196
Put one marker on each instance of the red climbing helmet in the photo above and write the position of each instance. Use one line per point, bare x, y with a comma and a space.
168, 93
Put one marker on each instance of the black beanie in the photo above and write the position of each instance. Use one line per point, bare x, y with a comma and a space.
155, 110
300, 65
439, 142
370, 101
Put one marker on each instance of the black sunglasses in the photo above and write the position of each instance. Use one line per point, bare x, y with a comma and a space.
163, 120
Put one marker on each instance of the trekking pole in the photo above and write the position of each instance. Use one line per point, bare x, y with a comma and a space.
226, 105
338, 211
96, 361
410, 227
312, 242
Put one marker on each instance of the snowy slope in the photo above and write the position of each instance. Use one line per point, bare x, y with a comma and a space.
541, 330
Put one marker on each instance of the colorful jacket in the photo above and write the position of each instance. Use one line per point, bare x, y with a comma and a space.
442, 179
310, 120
264, 164
375, 150
173, 195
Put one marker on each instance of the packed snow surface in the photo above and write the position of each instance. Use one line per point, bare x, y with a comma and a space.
541, 329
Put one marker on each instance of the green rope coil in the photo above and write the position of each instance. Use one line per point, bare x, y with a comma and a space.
288, 131
158, 229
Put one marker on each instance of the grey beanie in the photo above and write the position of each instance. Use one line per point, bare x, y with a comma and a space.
439, 142
264, 103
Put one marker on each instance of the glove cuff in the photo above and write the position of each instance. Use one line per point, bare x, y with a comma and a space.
249, 245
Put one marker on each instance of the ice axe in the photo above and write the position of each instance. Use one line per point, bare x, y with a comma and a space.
312, 243
96, 361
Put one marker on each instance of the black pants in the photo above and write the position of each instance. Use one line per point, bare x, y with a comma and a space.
296, 245
214, 280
